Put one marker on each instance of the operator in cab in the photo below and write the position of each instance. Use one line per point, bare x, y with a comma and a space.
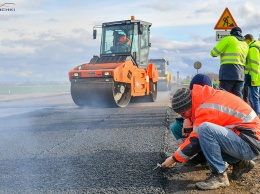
121, 43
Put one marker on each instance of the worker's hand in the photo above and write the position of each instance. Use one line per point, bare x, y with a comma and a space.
253, 83
186, 124
168, 163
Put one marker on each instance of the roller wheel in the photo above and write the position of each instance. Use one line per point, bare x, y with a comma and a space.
94, 95
112, 94
77, 97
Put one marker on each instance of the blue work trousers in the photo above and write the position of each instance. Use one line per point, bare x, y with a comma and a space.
253, 98
220, 145
233, 86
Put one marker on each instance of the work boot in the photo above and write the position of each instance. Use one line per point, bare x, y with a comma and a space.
214, 181
243, 166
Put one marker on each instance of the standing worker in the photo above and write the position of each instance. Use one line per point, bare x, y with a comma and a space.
232, 51
252, 72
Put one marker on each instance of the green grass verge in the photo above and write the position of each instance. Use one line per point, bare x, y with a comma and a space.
26, 89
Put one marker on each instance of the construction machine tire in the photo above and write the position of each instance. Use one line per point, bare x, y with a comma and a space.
122, 93
110, 94
153, 94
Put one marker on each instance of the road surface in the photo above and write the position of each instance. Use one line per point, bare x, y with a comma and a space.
49, 145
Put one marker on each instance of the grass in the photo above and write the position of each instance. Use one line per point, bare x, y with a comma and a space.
26, 89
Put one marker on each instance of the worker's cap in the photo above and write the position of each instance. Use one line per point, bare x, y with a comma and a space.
235, 30
200, 79
121, 33
181, 100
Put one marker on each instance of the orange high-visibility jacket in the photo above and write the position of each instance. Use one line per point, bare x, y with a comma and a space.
224, 109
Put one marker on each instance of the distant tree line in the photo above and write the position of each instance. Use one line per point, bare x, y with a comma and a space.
212, 76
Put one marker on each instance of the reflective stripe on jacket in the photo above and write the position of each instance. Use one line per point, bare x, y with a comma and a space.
224, 109
252, 66
231, 51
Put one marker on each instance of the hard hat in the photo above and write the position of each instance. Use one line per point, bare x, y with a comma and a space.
121, 33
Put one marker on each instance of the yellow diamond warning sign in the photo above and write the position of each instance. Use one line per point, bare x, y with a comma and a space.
226, 21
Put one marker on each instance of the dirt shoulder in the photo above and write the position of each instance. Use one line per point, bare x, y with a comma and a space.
181, 179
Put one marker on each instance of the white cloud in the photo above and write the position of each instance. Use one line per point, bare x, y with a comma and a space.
25, 74
48, 38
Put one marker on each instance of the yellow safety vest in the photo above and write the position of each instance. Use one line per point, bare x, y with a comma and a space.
231, 51
252, 66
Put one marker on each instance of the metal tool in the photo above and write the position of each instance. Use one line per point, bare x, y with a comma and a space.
158, 166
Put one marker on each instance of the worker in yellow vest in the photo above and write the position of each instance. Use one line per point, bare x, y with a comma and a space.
232, 51
252, 72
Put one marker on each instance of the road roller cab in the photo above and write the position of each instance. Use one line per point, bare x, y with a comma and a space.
121, 71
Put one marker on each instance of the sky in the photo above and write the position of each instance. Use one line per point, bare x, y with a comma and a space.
43, 40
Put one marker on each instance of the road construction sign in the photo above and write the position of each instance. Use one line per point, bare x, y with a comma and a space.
226, 21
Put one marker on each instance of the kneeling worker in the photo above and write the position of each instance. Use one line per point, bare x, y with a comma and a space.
225, 128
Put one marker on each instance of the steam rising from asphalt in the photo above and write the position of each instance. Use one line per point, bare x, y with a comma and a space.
31, 145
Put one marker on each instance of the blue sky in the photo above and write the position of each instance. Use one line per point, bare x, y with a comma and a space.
43, 40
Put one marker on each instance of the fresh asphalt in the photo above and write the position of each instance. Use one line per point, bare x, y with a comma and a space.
53, 146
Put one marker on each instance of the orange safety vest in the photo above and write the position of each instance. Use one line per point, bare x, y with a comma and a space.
123, 40
224, 109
